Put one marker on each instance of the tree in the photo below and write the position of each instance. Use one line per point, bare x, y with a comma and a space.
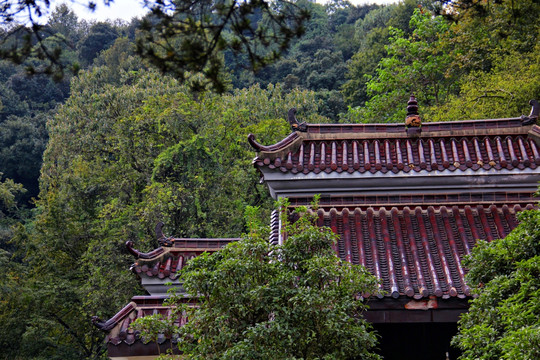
342, 19
24, 38
100, 37
23, 140
503, 91
317, 61
370, 37
180, 36
503, 321
185, 36
257, 300
10, 280
486, 30
8, 194
110, 173
416, 63
118, 60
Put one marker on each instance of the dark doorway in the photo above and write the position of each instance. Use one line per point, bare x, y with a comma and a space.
418, 341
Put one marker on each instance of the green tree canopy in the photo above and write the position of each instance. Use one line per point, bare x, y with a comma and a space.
178, 36
503, 322
257, 300
184, 36
8, 193
476, 60
415, 63
504, 91
100, 37
486, 30
370, 37
125, 152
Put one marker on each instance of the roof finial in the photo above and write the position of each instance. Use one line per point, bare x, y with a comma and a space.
412, 106
295, 126
161, 238
413, 123
533, 116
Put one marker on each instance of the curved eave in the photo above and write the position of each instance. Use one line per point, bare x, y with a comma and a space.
160, 273
181, 245
285, 143
118, 327
116, 319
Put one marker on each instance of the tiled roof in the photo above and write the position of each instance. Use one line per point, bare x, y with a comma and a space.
411, 232
415, 247
118, 327
417, 251
167, 267
167, 261
484, 144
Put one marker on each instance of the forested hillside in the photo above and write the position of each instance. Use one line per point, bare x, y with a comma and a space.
99, 155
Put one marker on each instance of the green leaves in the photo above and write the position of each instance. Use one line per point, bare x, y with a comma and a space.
297, 300
503, 321
8, 192
187, 37
415, 63
475, 60
125, 152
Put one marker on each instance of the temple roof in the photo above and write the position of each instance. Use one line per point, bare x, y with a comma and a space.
361, 158
413, 245
159, 269
124, 341
456, 146
167, 261
417, 251
408, 202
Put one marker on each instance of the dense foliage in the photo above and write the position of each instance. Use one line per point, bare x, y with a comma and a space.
180, 36
256, 300
121, 158
462, 69
503, 321
415, 63
186, 36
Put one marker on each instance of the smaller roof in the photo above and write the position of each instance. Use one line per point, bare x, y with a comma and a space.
122, 339
167, 260
156, 269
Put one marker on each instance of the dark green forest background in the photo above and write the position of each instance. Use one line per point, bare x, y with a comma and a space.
99, 156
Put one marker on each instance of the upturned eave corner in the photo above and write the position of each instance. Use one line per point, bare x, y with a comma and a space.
532, 119
112, 322
163, 241
290, 143
141, 255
